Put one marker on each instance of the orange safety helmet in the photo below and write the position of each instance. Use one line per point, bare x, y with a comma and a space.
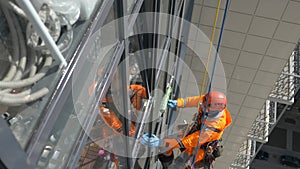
215, 101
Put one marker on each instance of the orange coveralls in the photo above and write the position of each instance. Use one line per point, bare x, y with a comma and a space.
111, 119
190, 141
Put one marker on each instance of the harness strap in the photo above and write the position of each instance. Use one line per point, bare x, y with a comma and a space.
119, 130
195, 127
213, 129
182, 147
131, 93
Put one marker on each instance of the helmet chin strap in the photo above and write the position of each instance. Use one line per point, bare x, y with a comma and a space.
213, 115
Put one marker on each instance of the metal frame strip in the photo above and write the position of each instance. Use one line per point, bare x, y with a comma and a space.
11, 154
59, 96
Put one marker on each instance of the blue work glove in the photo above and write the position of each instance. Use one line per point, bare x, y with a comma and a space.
172, 103
151, 140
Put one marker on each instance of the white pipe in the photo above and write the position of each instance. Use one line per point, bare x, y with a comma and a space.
22, 49
30, 80
41, 29
267, 119
14, 57
18, 10
25, 99
25, 92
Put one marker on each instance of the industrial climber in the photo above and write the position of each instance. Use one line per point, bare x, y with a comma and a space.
137, 94
211, 120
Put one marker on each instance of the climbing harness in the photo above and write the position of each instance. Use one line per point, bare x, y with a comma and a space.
212, 151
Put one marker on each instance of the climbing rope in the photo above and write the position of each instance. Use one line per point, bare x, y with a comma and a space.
213, 69
210, 47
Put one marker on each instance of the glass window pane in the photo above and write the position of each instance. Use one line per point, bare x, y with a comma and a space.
130, 5
29, 73
278, 138
296, 140
77, 109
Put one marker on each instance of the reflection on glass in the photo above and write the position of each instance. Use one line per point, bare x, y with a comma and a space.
77, 109
28, 73
106, 146
70, 9
130, 5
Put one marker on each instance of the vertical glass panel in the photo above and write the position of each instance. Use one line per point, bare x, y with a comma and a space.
29, 74
278, 138
130, 5
81, 106
76, 110
164, 6
296, 140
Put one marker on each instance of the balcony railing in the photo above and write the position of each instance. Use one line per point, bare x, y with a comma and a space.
281, 97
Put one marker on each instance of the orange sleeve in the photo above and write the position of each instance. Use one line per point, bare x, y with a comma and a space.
132, 130
228, 118
140, 93
139, 90
207, 135
191, 140
111, 120
189, 101
92, 88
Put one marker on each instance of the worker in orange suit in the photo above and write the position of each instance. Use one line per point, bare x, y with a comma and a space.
216, 118
136, 94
